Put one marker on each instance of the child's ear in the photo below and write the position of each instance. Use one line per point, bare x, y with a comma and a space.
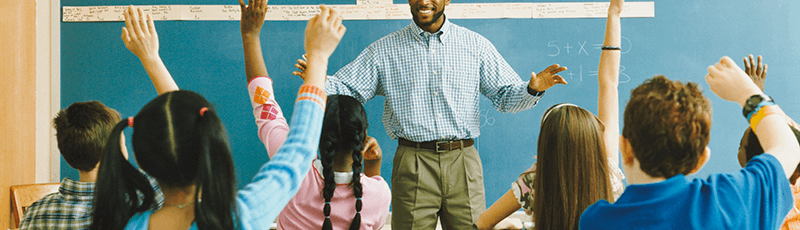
702, 161
626, 150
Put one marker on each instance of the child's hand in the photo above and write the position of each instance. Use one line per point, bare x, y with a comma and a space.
253, 16
729, 82
301, 67
758, 73
139, 35
372, 151
615, 7
323, 33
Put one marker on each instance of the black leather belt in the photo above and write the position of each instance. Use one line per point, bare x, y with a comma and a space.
438, 146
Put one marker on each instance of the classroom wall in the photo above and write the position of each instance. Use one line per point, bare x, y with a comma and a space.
26, 140
18, 64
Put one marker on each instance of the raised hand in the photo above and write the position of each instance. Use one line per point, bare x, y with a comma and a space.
323, 33
301, 66
252, 16
757, 73
139, 35
729, 82
615, 7
547, 78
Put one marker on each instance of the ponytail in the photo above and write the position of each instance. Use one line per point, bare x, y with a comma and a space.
116, 198
215, 176
180, 141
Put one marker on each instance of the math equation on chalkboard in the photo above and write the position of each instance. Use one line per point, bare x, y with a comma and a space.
573, 48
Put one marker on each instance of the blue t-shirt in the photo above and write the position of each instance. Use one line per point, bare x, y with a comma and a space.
756, 197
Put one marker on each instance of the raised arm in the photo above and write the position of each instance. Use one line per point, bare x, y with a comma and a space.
323, 34
272, 125
279, 179
608, 81
251, 23
729, 82
140, 37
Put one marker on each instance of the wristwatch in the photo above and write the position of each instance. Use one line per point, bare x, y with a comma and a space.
534, 92
752, 103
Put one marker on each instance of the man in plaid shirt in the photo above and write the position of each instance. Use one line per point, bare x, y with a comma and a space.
82, 130
432, 73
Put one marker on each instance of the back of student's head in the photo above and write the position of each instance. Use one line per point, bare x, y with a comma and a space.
571, 167
179, 140
750, 147
82, 130
667, 124
344, 129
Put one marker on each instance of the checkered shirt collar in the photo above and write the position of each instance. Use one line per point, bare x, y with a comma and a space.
76, 191
443, 32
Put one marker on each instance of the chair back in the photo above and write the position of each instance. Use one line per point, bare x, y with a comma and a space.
22, 196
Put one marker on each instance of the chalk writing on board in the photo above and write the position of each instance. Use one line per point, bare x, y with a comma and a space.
373, 2
555, 47
485, 119
363, 10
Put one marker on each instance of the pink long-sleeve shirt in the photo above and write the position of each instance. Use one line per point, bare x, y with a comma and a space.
305, 210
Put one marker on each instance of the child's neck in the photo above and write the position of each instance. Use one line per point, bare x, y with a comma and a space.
343, 162
635, 175
90, 176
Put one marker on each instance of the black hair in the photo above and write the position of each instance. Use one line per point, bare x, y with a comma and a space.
752, 148
177, 146
343, 129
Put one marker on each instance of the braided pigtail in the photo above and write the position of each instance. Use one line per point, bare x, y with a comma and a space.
343, 130
356, 182
327, 151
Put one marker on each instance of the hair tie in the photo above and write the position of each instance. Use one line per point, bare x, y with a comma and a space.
203, 110
130, 122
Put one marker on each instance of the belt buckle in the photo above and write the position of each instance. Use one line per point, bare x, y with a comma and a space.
441, 150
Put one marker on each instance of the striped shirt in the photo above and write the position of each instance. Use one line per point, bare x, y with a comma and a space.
70, 207
432, 82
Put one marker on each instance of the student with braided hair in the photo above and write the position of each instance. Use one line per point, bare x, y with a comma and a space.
335, 193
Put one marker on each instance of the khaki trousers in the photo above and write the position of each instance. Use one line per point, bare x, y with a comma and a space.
427, 185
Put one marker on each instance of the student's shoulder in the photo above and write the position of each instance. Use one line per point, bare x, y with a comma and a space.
764, 166
376, 182
47, 203
595, 215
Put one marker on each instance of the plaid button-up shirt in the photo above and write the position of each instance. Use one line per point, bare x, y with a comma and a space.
432, 82
70, 207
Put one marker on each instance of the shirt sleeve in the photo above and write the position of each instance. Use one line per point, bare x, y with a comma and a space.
272, 126
523, 189
259, 203
616, 176
359, 79
765, 190
503, 86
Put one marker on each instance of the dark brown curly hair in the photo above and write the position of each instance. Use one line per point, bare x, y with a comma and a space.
667, 124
